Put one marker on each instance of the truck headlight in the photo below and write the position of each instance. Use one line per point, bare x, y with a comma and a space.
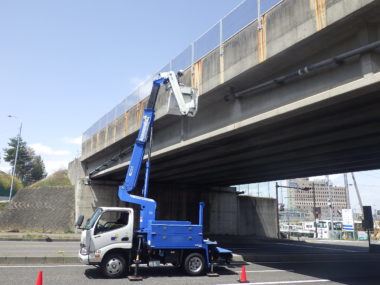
83, 251
97, 253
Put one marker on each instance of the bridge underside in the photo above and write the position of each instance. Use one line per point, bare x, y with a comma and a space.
332, 137
323, 123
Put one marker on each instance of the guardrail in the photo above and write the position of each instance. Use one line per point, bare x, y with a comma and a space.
235, 21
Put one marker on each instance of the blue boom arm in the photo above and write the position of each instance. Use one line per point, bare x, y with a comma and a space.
148, 206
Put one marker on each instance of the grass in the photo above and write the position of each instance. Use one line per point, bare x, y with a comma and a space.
3, 205
33, 236
5, 184
59, 178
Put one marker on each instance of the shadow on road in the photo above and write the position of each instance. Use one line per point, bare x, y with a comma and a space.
339, 261
161, 271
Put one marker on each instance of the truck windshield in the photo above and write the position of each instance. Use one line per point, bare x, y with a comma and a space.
93, 219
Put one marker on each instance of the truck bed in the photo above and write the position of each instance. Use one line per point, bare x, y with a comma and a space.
174, 234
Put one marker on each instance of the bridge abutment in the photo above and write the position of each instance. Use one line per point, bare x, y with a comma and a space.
226, 213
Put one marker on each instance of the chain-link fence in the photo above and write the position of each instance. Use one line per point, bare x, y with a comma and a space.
241, 16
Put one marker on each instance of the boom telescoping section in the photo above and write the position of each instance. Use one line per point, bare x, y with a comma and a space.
187, 101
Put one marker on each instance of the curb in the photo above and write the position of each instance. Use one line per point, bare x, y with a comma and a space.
38, 259
44, 238
308, 257
39, 239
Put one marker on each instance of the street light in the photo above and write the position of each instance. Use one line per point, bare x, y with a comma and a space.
291, 187
14, 165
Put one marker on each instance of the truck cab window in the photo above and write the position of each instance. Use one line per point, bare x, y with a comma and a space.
93, 219
111, 220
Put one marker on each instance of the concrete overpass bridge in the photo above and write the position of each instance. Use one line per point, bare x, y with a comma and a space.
294, 94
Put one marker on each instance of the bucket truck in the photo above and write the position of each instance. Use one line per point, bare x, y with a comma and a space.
109, 240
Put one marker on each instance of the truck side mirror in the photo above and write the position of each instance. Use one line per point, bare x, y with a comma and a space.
79, 221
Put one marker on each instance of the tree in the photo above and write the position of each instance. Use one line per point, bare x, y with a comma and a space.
38, 169
24, 157
29, 167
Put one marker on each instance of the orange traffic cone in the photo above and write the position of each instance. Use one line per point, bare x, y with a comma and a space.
243, 275
39, 278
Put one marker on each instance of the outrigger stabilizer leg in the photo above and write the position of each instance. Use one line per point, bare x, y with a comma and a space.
212, 273
137, 261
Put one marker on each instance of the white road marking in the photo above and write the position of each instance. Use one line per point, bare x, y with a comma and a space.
268, 270
242, 248
315, 261
319, 247
38, 266
283, 282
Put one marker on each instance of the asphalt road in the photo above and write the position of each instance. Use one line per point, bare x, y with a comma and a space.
43, 248
353, 267
322, 272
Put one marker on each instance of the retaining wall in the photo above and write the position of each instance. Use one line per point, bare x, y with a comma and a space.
40, 210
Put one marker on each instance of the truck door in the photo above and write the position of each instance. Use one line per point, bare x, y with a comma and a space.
114, 227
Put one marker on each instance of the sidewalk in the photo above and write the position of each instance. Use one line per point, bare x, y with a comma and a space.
10, 236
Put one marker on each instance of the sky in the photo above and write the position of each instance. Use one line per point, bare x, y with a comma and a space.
64, 64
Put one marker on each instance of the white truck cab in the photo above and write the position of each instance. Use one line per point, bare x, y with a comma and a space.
110, 229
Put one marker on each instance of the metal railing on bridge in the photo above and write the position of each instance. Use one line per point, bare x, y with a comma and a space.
240, 17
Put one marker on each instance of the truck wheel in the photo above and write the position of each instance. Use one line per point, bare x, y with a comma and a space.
114, 265
194, 264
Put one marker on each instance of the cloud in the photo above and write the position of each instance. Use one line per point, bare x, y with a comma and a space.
5, 168
77, 140
47, 150
52, 166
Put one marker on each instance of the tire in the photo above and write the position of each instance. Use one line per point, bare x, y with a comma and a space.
194, 264
114, 265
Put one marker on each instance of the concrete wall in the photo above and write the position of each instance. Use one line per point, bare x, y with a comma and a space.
42, 210
89, 197
226, 212
257, 217
241, 215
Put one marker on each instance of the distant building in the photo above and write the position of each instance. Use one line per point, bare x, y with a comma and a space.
303, 201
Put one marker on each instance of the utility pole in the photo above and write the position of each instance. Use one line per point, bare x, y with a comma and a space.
357, 193
16, 156
348, 204
277, 215
330, 204
287, 214
314, 212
